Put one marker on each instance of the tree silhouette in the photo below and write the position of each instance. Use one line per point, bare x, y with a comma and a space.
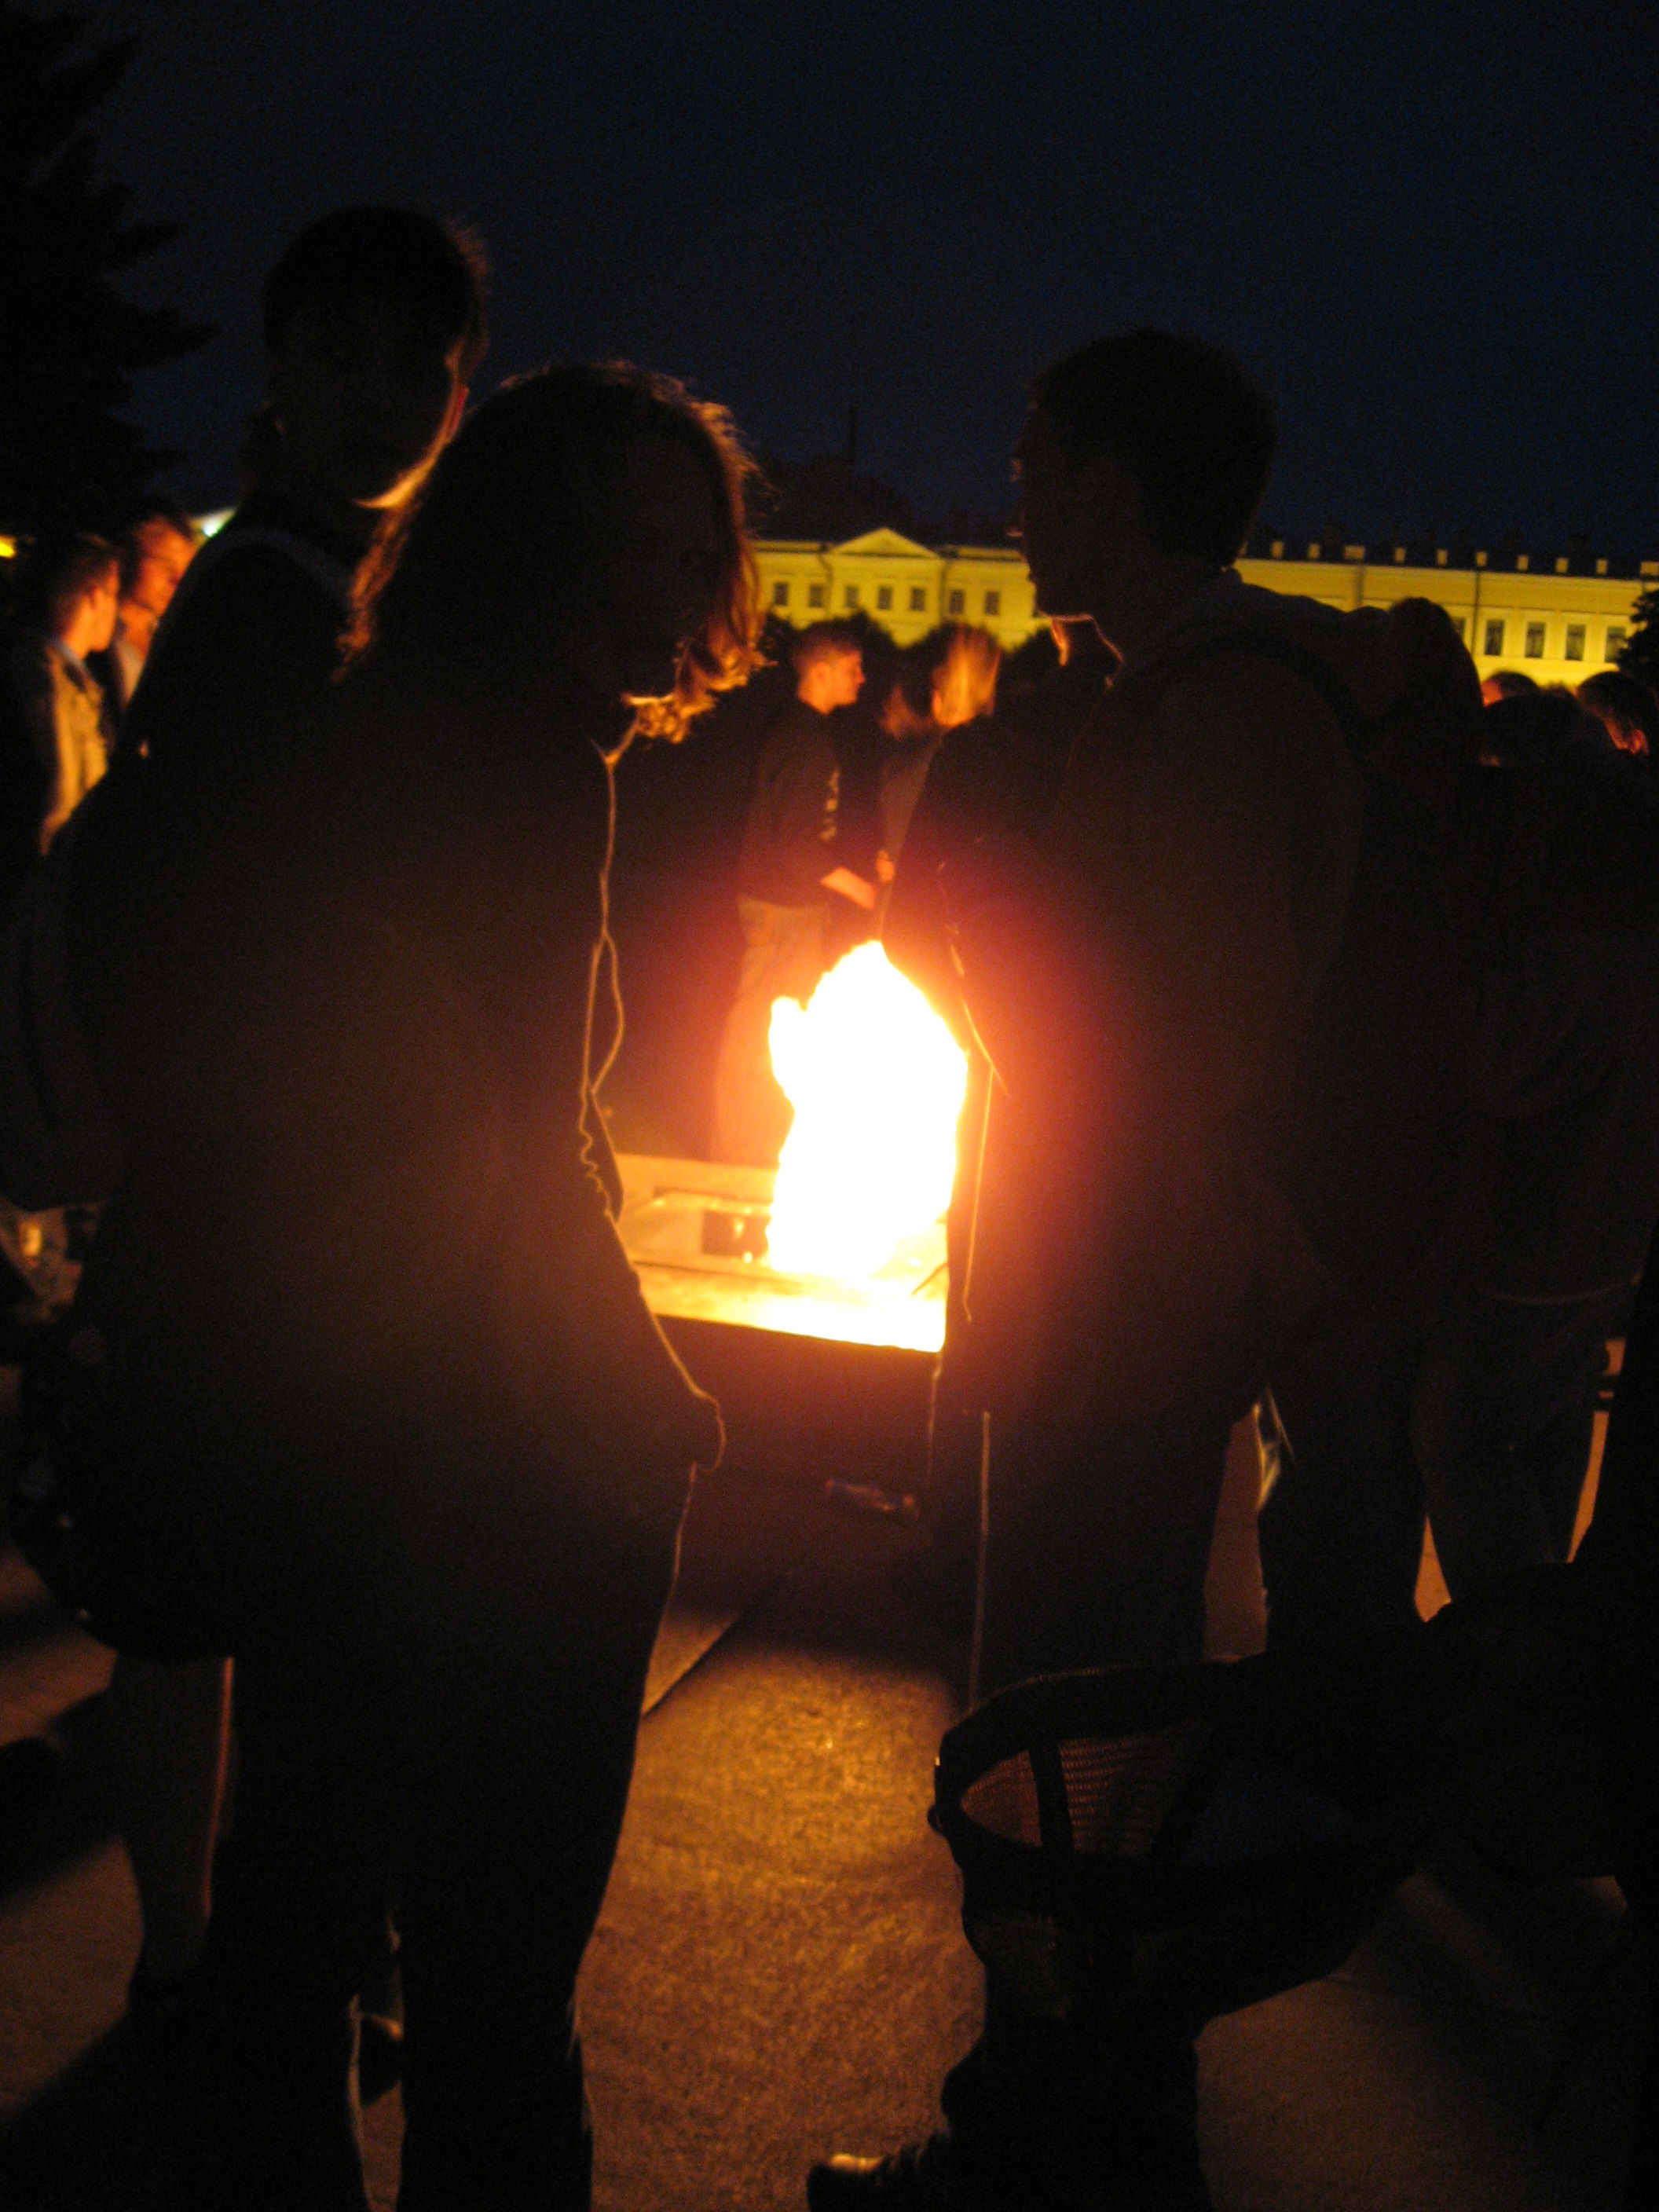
1638, 655
72, 345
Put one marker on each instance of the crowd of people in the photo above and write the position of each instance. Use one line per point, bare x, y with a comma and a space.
1313, 1007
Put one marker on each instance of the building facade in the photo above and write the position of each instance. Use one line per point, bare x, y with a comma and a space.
1553, 624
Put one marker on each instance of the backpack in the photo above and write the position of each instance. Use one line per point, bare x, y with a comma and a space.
1366, 1139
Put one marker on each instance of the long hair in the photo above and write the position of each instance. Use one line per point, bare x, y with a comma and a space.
496, 555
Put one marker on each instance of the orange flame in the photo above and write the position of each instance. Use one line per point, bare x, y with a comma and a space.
877, 1083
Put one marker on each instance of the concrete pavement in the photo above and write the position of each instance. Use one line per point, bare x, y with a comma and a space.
779, 1972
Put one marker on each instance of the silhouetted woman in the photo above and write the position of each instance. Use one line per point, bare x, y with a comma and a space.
362, 1255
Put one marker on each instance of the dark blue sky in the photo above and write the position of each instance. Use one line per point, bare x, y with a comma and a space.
1432, 229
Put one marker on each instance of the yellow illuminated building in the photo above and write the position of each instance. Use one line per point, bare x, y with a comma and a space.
908, 589
1555, 626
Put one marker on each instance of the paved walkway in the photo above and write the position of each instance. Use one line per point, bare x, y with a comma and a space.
779, 1971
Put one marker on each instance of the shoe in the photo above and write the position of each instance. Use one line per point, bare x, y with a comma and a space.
930, 2177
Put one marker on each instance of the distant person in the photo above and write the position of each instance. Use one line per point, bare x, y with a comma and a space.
155, 551
374, 321
1505, 684
1561, 1191
1627, 710
787, 874
908, 717
425, 1448
58, 747
935, 691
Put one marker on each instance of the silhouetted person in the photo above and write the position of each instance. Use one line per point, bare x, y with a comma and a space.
1136, 972
369, 1323
1625, 708
787, 871
1562, 1189
1505, 684
373, 323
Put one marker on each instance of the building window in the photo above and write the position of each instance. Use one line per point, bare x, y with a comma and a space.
1616, 636
918, 599
1575, 641
850, 596
780, 595
1462, 625
884, 598
815, 595
1535, 640
1493, 646
992, 603
955, 603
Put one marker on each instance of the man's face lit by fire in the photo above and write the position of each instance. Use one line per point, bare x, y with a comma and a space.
832, 677
101, 601
844, 678
163, 554
366, 400
661, 568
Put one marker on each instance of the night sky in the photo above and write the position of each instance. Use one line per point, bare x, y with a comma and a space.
1432, 230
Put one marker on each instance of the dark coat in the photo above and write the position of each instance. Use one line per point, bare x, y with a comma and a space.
343, 1013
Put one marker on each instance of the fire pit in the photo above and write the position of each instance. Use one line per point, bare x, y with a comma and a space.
812, 1299
846, 1240
697, 1234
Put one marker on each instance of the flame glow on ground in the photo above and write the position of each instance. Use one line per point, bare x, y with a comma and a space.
877, 1083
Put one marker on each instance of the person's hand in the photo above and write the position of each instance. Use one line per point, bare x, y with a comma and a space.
708, 1433
658, 1488
849, 886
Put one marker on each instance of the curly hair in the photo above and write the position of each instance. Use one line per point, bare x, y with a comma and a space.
508, 531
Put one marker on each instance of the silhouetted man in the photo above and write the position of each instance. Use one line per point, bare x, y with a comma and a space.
374, 322
1136, 968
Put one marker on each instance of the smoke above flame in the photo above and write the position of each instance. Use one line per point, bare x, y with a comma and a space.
877, 1083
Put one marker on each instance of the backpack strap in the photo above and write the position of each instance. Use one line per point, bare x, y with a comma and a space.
332, 575
1261, 644
1365, 1140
